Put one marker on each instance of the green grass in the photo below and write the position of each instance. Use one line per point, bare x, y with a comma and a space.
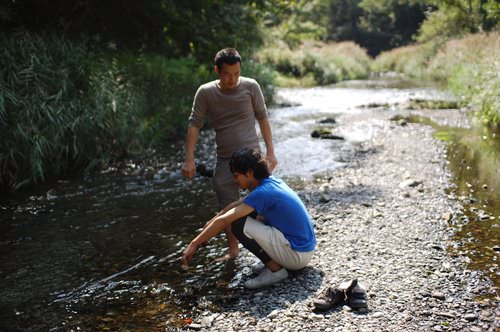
469, 67
64, 109
316, 63
42, 110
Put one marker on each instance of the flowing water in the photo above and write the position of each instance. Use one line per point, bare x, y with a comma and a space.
102, 253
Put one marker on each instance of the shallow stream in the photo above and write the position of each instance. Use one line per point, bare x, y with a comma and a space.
102, 253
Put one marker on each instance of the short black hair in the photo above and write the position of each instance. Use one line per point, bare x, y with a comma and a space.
228, 56
247, 159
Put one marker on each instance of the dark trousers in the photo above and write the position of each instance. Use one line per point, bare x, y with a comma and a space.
252, 245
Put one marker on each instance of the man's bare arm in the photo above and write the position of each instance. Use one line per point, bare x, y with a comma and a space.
218, 224
189, 168
224, 210
265, 129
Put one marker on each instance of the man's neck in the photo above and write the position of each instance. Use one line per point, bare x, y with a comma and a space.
254, 184
224, 88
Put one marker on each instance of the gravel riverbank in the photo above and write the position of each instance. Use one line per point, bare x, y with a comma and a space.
383, 219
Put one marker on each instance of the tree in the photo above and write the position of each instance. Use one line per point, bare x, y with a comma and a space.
343, 20
128, 24
453, 18
387, 24
172, 27
294, 21
376, 25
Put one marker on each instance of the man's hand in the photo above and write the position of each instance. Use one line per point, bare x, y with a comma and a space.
271, 161
188, 253
188, 169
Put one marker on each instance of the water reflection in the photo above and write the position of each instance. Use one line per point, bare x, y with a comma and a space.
474, 158
112, 240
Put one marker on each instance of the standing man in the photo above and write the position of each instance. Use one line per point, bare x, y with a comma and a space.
233, 103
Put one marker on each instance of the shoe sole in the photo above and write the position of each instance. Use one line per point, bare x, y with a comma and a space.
358, 305
322, 307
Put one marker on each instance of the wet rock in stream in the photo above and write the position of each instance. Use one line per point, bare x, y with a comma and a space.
325, 134
385, 220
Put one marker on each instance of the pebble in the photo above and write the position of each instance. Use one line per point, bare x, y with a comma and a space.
195, 327
445, 314
471, 317
438, 295
273, 314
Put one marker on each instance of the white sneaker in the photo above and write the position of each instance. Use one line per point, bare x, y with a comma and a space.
257, 267
266, 278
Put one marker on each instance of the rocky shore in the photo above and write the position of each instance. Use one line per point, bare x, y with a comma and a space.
383, 219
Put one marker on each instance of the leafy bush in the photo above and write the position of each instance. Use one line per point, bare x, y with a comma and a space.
44, 120
64, 109
165, 90
325, 63
264, 75
455, 19
341, 61
469, 66
281, 58
410, 60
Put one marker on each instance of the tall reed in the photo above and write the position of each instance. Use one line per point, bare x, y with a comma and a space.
44, 122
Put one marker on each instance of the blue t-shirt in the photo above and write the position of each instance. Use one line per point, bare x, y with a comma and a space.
283, 209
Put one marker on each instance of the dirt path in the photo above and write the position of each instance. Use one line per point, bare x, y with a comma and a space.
383, 219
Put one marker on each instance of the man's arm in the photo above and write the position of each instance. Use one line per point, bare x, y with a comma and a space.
189, 168
219, 223
224, 210
265, 129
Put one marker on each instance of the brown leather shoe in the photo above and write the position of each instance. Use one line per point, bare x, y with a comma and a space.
356, 298
331, 297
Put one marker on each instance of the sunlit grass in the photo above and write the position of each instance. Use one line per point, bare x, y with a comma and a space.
469, 66
316, 63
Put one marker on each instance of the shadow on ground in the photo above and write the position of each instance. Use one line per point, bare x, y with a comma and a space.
260, 303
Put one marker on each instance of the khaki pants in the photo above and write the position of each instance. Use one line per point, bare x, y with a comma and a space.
274, 243
225, 186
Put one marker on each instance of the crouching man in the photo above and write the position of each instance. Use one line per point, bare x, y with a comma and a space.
281, 236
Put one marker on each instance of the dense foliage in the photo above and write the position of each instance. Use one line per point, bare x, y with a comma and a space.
374, 24
63, 108
455, 18
174, 28
314, 63
379, 25
469, 66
